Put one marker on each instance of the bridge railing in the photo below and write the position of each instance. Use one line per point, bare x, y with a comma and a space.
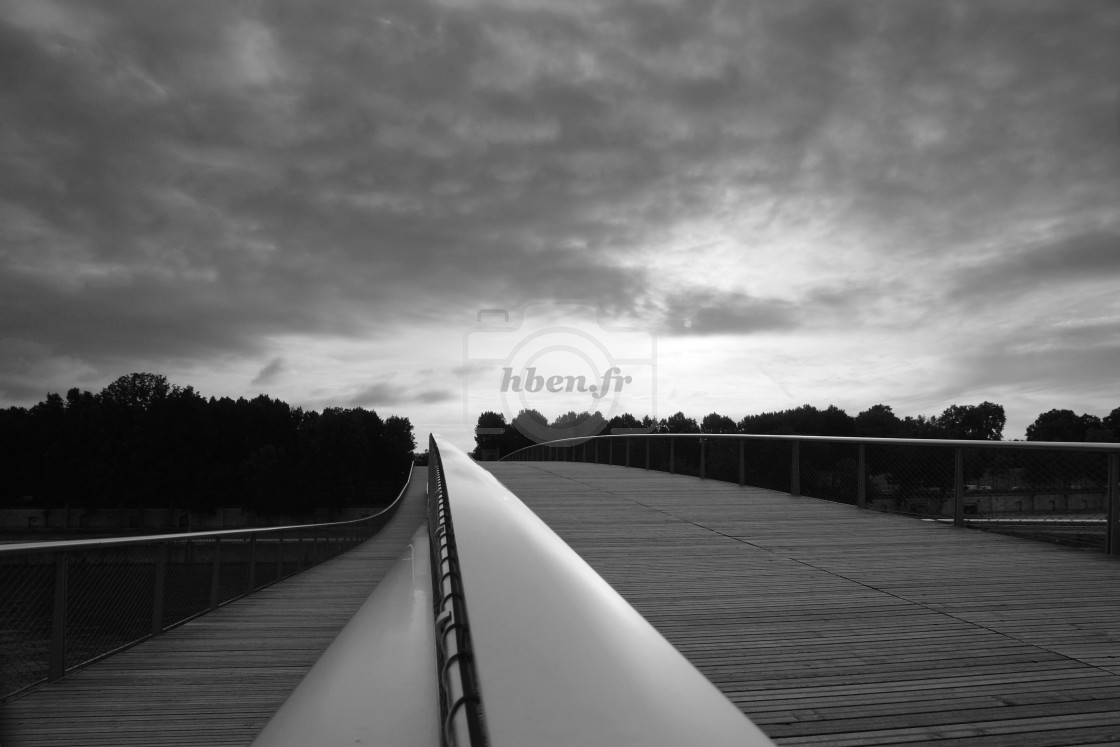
65, 605
553, 655
1063, 492
521, 643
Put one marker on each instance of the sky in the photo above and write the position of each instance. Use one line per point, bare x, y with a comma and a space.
784, 202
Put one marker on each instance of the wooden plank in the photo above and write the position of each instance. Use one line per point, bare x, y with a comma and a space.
217, 679
831, 625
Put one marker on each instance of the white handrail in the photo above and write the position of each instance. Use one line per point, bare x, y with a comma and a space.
561, 658
376, 683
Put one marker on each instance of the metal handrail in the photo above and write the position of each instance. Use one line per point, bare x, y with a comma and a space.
1041, 445
376, 682
562, 658
69, 604
460, 698
1107, 453
148, 538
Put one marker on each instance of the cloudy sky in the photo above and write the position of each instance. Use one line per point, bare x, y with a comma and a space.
913, 202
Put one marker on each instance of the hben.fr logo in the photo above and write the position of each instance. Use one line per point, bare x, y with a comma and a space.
555, 358
533, 382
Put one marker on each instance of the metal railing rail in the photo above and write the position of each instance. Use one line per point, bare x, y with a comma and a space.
65, 605
561, 658
460, 700
1061, 489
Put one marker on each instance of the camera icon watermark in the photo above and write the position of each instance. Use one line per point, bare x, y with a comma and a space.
555, 370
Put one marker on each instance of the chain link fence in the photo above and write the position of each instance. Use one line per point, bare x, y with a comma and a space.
65, 605
1060, 492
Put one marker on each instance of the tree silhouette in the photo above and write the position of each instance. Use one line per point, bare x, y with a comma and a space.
144, 443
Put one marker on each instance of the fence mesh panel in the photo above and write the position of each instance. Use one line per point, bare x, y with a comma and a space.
829, 471
26, 601
122, 591
187, 579
109, 602
1058, 494
234, 568
913, 480
768, 464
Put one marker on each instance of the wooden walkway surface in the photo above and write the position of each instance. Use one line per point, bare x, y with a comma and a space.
219, 678
834, 626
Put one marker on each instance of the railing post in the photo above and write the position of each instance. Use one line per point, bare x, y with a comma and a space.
861, 477
280, 551
251, 576
742, 461
1112, 535
672, 456
596, 451
958, 487
703, 449
158, 591
583, 453
57, 665
216, 575
647, 440
627, 442
795, 470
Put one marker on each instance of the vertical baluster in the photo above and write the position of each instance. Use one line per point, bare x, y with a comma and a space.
1112, 537
280, 555
958, 487
251, 574
742, 461
57, 665
216, 575
158, 591
861, 477
795, 470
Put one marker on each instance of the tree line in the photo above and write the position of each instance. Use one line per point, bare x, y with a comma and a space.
984, 421
142, 442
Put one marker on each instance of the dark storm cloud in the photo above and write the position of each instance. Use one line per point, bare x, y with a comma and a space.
386, 394
1043, 269
703, 312
1046, 368
269, 372
185, 181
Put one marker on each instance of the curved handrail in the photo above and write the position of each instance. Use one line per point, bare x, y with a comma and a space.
226, 533
854, 440
80, 601
561, 658
376, 682
1107, 471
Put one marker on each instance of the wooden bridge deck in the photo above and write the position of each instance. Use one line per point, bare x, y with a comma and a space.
219, 678
825, 624
835, 626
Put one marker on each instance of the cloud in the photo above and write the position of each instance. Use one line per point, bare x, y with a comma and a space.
1053, 265
435, 396
378, 395
387, 395
707, 312
270, 372
198, 184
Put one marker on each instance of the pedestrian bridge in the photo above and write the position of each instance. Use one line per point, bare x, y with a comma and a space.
823, 623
